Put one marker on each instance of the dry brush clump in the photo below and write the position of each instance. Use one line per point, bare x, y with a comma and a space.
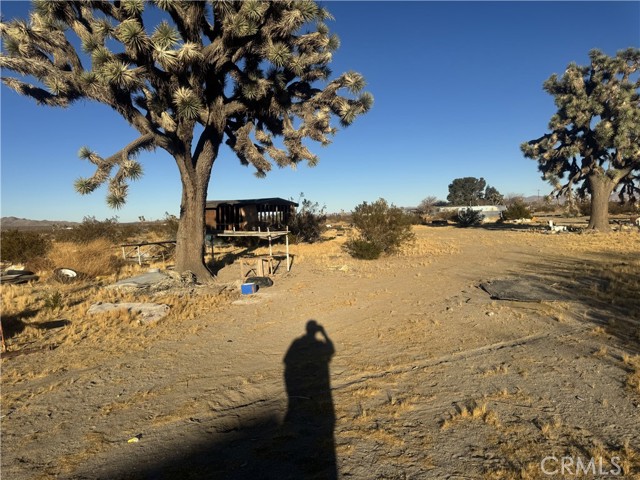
95, 258
472, 411
632, 365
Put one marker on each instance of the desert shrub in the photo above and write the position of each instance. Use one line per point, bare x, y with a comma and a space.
617, 208
384, 226
167, 228
341, 217
364, 250
23, 247
582, 206
92, 229
516, 210
308, 223
469, 217
544, 206
53, 300
95, 258
416, 218
448, 215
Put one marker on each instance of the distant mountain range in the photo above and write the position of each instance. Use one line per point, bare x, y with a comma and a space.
10, 223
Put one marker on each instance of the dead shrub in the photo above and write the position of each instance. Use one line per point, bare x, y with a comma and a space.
97, 258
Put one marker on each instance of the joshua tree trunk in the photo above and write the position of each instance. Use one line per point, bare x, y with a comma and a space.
600, 187
195, 172
191, 232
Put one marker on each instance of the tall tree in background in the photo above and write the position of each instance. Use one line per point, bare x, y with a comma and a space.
242, 73
594, 137
466, 191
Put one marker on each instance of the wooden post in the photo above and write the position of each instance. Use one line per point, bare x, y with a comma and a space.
286, 241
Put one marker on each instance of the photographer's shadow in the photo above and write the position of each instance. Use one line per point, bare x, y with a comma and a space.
310, 418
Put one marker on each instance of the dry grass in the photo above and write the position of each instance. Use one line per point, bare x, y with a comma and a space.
98, 258
633, 376
602, 352
501, 369
472, 411
550, 429
522, 452
530, 471
49, 314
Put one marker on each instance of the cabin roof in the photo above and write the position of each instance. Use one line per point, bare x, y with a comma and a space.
253, 201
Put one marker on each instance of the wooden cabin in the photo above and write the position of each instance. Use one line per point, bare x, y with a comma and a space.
248, 215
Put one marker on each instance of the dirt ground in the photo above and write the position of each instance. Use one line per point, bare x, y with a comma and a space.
423, 375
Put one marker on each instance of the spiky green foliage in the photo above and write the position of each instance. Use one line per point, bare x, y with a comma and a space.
492, 196
594, 137
469, 217
246, 72
185, 65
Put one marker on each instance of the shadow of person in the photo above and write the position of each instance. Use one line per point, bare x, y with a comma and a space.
310, 417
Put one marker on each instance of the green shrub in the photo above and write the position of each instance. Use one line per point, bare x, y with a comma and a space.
384, 226
308, 223
53, 300
362, 249
516, 210
469, 217
23, 247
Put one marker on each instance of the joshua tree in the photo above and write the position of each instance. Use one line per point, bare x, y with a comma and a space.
242, 73
493, 196
595, 135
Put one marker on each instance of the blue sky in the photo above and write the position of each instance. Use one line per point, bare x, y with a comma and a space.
457, 87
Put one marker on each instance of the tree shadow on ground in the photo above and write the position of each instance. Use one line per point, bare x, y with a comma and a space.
13, 325
218, 263
300, 447
605, 287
